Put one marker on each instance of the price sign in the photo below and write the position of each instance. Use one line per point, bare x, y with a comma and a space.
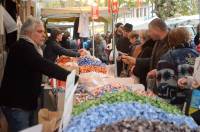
95, 11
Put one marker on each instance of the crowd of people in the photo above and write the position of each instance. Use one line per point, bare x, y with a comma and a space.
161, 58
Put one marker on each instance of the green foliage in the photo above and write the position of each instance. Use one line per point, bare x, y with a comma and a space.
170, 8
129, 3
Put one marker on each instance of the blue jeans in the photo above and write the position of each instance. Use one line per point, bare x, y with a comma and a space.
19, 119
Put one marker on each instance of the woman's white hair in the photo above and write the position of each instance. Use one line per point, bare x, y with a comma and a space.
29, 25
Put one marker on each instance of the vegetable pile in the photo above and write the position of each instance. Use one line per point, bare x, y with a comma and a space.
109, 88
89, 61
110, 113
126, 96
98, 69
82, 95
138, 125
89, 64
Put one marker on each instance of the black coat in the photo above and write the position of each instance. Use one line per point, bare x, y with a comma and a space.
65, 44
196, 39
146, 52
123, 45
53, 50
21, 84
159, 49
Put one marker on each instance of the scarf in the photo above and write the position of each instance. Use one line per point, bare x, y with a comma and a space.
38, 48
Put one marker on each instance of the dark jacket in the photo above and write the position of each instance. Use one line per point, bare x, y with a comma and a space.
196, 39
65, 44
159, 49
117, 39
21, 84
123, 45
146, 52
173, 65
53, 50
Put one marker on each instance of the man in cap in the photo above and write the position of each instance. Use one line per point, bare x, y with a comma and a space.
124, 44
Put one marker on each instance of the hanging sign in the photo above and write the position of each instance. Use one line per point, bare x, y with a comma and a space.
109, 6
115, 7
95, 11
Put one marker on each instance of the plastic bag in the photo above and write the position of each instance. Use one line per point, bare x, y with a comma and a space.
92, 79
49, 119
8, 21
68, 100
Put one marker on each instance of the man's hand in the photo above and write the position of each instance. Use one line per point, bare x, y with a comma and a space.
195, 84
182, 82
152, 74
128, 60
82, 52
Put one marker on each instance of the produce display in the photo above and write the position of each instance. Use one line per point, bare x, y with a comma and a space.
90, 61
111, 98
110, 113
109, 88
103, 103
138, 125
68, 63
85, 69
70, 66
81, 95
91, 64
117, 87
65, 59
88, 93
147, 93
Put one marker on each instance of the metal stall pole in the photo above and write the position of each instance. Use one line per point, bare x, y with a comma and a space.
199, 9
114, 44
113, 39
93, 52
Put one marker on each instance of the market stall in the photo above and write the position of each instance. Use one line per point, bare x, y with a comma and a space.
102, 101
60, 14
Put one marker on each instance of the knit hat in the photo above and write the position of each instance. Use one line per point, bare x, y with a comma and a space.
128, 27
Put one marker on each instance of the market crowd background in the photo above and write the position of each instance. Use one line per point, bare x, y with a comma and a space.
160, 57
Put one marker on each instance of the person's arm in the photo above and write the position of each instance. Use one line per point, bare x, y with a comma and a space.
36, 63
185, 82
62, 51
